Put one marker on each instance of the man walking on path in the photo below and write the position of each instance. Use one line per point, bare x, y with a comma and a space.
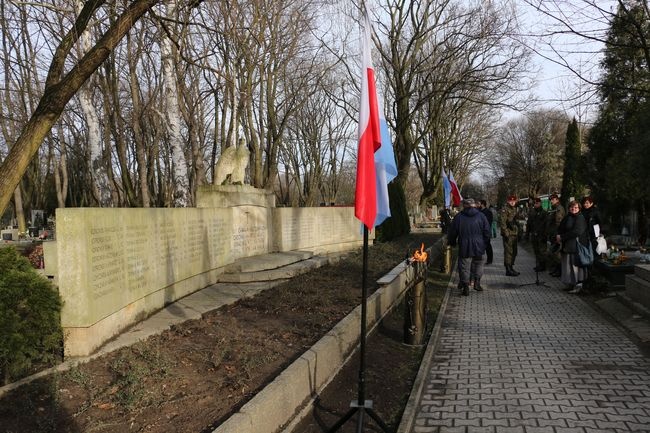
471, 231
509, 233
488, 214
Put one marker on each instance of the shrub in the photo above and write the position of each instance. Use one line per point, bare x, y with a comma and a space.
30, 311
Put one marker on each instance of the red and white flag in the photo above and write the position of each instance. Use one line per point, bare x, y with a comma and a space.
365, 198
455, 192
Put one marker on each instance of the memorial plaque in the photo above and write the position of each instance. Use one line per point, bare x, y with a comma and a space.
106, 261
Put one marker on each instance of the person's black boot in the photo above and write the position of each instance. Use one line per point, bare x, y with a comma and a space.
477, 285
510, 272
465, 289
512, 269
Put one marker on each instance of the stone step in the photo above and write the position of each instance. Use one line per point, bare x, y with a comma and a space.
281, 273
265, 262
626, 312
638, 290
642, 271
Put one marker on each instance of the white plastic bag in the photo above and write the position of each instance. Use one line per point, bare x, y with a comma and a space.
601, 245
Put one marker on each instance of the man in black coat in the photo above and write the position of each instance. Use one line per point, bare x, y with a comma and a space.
537, 229
471, 231
490, 216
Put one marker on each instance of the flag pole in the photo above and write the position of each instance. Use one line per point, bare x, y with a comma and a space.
362, 406
375, 164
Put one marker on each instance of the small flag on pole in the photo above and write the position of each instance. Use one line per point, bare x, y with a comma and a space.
446, 188
455, 192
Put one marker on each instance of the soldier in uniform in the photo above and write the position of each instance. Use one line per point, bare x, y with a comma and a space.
537, 230
509, 233
553, 220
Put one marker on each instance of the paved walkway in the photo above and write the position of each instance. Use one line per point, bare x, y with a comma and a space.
531, 359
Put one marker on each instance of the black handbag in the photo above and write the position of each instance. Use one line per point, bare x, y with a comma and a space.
585, 254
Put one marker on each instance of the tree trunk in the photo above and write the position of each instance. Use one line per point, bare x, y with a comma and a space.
181, 196
136, 124
20, 212
100, 184
61, 172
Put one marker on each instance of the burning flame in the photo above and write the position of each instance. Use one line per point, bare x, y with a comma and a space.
419, 255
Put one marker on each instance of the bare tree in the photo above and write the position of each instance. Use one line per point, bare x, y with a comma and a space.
315, 148
572, 34
172, 112
61, 85
528, 152
462, 52
87, 103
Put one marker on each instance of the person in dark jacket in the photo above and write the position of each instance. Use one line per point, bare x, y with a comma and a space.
471, 232
572, 229
554, 217
592, 217
537, 229
445, 220
488, 214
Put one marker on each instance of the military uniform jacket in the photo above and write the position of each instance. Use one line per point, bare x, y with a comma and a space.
508, 221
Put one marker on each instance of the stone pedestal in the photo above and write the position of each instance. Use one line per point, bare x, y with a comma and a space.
224, 196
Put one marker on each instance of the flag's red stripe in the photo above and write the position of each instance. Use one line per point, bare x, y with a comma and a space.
373, 121
365, 200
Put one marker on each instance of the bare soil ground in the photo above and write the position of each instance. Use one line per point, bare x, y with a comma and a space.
194, 376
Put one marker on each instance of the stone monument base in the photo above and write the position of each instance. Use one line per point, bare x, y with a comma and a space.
221, 196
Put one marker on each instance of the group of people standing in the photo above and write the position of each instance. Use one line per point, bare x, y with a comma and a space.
554, 235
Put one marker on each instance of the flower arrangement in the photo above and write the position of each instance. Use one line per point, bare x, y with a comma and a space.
36, 257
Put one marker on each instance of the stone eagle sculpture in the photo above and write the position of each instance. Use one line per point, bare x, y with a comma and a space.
231, 166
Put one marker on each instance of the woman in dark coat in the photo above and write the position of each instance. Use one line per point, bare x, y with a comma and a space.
572, 229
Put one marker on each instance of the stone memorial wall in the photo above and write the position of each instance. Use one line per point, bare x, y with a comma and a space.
116, 266
317, 229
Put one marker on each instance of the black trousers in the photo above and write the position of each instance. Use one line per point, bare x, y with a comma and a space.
489, 252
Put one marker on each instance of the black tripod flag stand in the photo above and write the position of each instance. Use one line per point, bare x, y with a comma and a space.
361, 406
537, 281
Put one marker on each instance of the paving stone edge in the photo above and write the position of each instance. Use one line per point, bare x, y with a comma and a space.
410, 411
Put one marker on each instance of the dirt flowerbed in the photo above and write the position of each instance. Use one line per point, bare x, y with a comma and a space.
194, 376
